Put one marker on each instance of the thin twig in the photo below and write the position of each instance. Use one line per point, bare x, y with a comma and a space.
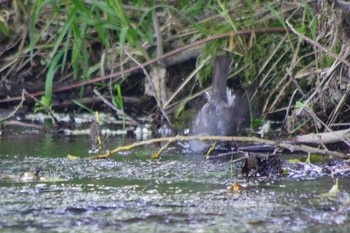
153, 88
264, 65
185, 82
314, 43
16, 108
118, 111
157, 32
237, 160
160, 151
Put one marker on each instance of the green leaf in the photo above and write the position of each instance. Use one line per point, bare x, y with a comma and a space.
4, 29
72, 157
302, 29
83, 106
256, 122
103, 6
278, 15
44, 103
299, 105
63, 33
294, 160
285, 172
308, 160
334, 191
35, 14
122, 37
313, 27
66, 51
119, 98
181, 108
50, 75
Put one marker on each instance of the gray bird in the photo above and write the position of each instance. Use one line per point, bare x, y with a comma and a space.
95, 132
225, 112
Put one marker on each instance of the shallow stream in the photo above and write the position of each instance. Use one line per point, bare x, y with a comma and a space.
132, 193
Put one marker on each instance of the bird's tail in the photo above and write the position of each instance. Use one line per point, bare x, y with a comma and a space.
221, 70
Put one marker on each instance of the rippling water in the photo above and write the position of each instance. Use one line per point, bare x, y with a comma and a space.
132, 193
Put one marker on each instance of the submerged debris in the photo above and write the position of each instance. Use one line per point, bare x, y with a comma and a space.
270, 165
302, 169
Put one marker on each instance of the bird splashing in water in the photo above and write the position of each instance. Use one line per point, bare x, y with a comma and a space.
226, 110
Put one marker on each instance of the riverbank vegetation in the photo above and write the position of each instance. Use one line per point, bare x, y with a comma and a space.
154, 57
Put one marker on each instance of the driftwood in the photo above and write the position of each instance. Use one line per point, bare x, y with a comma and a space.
320, 138
299, 143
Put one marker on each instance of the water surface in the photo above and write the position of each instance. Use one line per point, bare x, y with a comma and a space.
130, 192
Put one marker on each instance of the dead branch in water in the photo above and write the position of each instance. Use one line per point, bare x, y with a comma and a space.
319, 138
26, 125
293, 145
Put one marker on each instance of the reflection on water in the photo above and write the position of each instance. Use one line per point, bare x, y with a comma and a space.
132, 193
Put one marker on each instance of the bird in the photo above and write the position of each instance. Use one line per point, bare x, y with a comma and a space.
226, 110
95, 133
